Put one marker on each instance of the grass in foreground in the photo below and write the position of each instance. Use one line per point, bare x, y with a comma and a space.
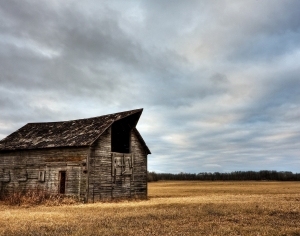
173, 208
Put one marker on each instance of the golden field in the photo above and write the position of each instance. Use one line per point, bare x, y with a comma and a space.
173, 208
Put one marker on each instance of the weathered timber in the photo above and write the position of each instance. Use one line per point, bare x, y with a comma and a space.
93, 159
24, 168
107, 180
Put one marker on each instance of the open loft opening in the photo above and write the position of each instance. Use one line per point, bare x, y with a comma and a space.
121, 133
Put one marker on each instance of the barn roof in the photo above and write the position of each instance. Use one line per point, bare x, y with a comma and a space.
82, 132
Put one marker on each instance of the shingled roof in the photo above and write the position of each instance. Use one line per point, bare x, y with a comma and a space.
82, 132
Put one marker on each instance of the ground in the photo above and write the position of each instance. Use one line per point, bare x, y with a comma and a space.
173, 208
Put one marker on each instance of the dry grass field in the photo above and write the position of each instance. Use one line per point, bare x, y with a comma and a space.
173, 208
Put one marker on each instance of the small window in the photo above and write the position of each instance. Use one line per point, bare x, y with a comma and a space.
41, 176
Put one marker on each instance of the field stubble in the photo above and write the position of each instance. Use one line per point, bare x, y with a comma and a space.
173, 208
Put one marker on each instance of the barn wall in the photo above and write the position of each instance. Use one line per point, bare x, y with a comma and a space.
19, 170
103, 185
139, 166
100, 168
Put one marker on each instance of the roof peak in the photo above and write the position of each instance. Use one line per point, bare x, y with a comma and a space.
80, 132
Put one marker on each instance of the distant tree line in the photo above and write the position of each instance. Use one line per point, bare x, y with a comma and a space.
235, 175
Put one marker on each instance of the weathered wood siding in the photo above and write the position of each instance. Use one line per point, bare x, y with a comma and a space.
103, 184
139, 166
19, 170
90, 172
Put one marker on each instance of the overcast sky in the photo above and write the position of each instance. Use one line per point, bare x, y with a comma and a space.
219, 81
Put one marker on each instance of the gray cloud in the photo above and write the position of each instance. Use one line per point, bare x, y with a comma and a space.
218, 81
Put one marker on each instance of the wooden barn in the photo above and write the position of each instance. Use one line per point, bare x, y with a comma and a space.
94, 159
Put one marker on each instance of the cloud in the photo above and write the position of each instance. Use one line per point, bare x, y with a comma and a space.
218, 80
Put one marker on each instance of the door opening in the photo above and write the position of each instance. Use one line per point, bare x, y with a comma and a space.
62, 182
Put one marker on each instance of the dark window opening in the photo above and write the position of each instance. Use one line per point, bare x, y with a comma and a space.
120, 137
62, 182
121, 133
